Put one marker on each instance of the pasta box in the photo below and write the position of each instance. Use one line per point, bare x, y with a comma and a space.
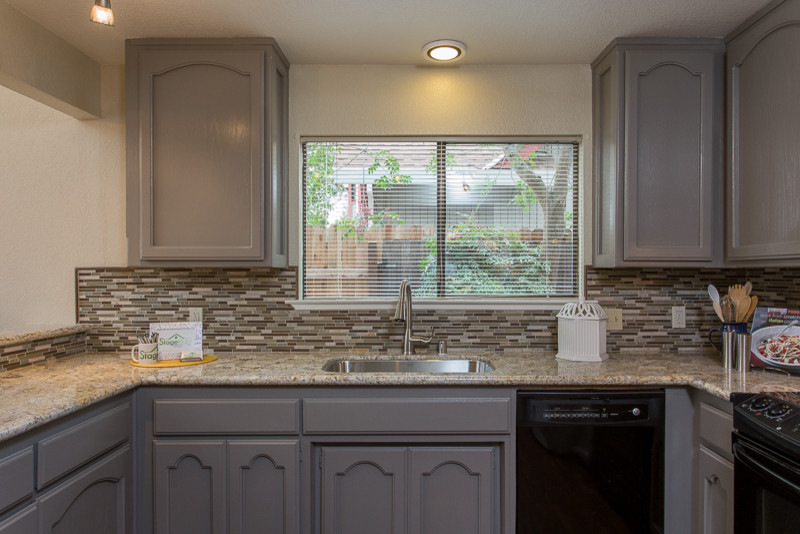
776, 339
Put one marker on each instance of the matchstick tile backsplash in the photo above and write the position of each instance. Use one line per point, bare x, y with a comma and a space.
246, 310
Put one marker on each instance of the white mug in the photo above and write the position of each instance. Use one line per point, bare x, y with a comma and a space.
147, 353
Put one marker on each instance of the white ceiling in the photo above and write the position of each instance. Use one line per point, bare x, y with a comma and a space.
393, 32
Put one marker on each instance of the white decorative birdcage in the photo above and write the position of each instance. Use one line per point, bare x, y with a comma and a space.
582, 332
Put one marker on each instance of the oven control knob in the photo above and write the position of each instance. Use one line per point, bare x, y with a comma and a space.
761, 402
778, 410
636, 412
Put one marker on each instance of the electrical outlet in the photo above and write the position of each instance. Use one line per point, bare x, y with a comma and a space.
196, 315
679, 317
614, 319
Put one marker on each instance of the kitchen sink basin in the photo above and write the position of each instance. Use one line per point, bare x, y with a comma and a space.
395, 365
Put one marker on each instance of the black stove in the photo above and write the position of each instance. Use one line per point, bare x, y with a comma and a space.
770, 417
766, 450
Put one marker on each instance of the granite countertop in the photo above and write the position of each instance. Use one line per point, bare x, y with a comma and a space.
34, 395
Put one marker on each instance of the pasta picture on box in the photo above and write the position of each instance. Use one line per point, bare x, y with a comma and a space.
776, 339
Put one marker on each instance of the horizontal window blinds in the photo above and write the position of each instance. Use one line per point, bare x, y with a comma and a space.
455, 219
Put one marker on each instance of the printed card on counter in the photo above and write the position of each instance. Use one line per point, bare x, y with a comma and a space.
776, 339
177, 338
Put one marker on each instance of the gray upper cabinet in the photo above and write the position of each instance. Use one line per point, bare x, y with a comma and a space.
763, 168
657, 156
207, 153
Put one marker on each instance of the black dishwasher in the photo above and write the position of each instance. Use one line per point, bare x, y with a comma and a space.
590, 461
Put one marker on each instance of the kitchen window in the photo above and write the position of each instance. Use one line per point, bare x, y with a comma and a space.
461, 221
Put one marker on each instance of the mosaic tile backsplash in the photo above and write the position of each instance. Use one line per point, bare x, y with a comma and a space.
40, 349
246, 309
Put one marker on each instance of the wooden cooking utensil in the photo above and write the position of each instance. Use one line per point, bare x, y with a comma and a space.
742, 307
751, 310
741, 302
748, 288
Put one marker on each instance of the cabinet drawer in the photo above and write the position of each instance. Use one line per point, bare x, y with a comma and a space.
63, 452
16, 474
716, 427
23, 522
174, 417
407, 416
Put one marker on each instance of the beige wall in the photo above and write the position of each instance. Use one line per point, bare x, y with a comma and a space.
467, 100
62, 203
63, 180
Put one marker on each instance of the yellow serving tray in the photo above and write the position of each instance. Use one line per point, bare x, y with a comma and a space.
175, 363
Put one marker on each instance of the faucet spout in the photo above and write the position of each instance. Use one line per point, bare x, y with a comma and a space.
403, 312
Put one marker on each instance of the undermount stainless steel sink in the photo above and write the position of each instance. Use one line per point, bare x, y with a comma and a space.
395, 365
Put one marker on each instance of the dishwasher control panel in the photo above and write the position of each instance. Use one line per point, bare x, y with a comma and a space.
600, 414
582, 408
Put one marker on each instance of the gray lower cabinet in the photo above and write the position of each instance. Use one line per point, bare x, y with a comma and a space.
713, 481
384, 489
95, 500
207, 153
217, 486
23, 522
263, 487
363, 489
657, 156
763, 189
452, 489
189, 487
72, 476
715, 475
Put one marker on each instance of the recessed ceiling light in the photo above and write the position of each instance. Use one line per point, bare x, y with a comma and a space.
101, 12
444, 50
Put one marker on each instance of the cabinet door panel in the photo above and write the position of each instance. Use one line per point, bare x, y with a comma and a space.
451, 490
716, 491
263, 484
189, 487
95, 500
201, 120
363, 490
669, 117
764, 125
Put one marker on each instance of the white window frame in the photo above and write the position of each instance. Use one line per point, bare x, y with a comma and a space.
491, 302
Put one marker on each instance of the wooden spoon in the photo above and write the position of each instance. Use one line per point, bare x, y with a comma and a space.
742, 308
751, 310
748, 288
741, 302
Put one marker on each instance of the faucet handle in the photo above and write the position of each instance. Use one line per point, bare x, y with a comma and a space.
443, 347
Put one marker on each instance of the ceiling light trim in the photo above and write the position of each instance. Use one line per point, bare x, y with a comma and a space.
448, 45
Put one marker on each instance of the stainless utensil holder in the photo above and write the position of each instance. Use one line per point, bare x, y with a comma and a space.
743, 352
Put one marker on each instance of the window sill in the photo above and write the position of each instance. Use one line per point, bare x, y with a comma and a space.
540, 304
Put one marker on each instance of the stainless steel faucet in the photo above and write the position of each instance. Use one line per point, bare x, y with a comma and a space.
403, 313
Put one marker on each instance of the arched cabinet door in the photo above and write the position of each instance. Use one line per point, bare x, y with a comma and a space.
207, 125
263, 487
657, 106
363, 490
189, 487
669, 163
95, 500
452, 490
763, 168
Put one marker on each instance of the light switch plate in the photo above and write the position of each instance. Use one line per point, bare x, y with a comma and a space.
196, 315
614, 319
679, 317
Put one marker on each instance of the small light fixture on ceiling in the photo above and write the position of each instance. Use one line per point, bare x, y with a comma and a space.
444, 50
101, 12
